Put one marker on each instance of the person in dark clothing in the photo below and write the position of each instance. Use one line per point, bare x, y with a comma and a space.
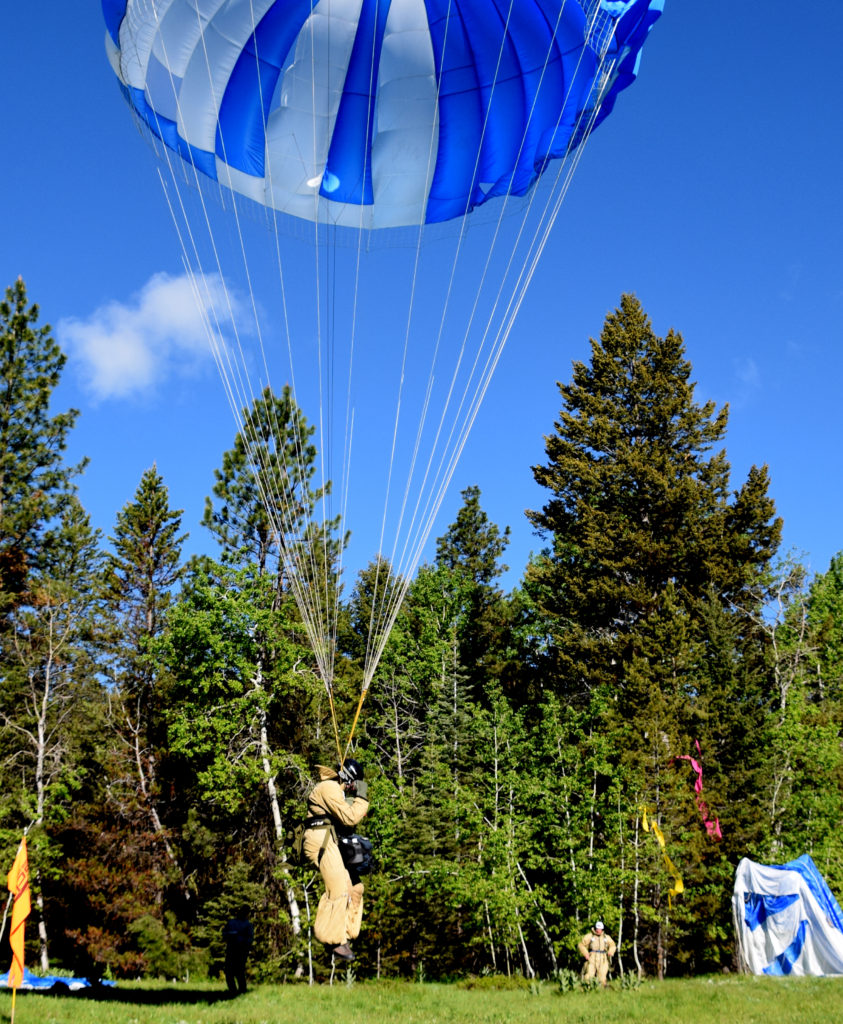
239, 934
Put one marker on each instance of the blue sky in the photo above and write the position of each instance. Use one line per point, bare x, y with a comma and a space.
712, 192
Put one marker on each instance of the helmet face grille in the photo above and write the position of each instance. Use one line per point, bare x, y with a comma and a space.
351, 771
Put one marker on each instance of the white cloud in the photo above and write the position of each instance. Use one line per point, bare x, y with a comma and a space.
748, 373
127, 348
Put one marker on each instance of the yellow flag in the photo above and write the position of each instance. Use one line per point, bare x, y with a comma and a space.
678, 884
18, 885
657, 832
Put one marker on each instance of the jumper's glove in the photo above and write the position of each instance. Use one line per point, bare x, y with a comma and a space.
362, 789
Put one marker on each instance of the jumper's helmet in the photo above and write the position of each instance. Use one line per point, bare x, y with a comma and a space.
351, 771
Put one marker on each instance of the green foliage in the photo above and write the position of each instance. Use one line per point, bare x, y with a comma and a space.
264, 499
159, 723
166, 948
495, 983
238, 890
144, 567
35, 485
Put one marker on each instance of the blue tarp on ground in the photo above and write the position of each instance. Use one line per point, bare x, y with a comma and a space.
32, 983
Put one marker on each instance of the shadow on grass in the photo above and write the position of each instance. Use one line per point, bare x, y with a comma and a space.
139, 996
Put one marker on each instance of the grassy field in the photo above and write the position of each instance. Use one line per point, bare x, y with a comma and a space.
722, 1000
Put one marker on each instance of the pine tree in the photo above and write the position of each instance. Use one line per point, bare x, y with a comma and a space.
49, 601
35, 484
146, 563
649, 595
472, 544
51, 705
471, 550
142, 571
264, 498
639, 502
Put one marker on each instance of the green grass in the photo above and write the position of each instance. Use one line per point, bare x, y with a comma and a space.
721, 1000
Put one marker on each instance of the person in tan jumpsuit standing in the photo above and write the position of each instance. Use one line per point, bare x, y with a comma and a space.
598, 949
340, 911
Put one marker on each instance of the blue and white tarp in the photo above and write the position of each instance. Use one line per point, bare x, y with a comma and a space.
50, 983
787, 920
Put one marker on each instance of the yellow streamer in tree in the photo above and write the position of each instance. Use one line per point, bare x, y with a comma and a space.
678, 884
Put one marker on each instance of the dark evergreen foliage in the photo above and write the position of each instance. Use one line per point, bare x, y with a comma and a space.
159, 723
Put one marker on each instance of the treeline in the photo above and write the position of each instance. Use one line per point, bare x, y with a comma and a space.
160, 719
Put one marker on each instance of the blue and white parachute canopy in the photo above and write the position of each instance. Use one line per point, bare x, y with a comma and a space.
786, 919
374, 113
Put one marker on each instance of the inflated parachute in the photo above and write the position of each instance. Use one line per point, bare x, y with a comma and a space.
380, 112
408, 158
787, 920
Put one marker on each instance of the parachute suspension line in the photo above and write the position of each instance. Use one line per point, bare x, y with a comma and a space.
379, 636
449, 292
354, 315
239, 395
322, 640
307, 598
390, 612
535, 249
517, 296
380, 625
389, 608
274, 495
444, 315
445, 471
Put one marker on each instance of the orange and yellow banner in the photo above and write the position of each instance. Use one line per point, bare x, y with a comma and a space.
18, 885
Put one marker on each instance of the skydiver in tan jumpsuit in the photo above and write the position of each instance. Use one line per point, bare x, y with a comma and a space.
340, 911
598, 949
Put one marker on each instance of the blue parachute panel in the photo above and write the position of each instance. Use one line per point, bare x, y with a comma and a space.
787, 920
241, 133
760, 907
784, 963
114, 11
806, 867
349, 167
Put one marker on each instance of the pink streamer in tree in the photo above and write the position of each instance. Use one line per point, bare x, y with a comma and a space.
712, 827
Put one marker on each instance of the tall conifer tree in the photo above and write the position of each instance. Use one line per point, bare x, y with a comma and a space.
49, 558
651, 588
471, 550
142, 570
640, 501
35, 483
272, 464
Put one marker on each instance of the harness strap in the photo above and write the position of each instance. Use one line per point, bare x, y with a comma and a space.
325, 823
321, 821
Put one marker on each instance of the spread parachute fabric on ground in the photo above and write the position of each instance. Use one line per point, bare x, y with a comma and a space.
336, 170
787, 920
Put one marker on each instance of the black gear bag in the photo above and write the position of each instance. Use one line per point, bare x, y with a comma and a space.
357, 853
